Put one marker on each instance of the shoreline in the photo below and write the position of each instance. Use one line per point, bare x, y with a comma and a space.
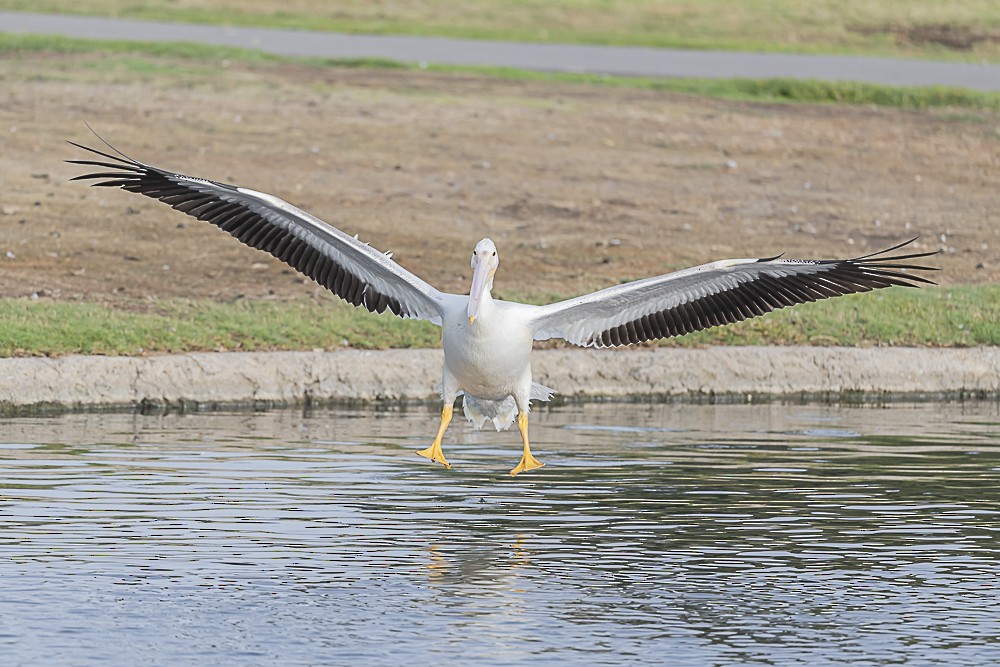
207, 380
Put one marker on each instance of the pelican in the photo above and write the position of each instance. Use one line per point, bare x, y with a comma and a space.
487, 342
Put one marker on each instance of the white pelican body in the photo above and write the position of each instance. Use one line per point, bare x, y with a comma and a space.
487, 344
489, 360
499, 341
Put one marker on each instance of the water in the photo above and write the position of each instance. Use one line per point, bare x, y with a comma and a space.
666, 534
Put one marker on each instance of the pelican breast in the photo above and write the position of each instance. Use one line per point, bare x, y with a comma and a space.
490, 358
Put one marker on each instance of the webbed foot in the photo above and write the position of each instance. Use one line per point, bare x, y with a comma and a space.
435, 454
528, 462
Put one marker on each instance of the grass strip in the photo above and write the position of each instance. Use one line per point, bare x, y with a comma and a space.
940, 317
781, 90
46, 327
753, 90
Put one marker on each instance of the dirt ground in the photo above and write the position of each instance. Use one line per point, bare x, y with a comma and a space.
580, 186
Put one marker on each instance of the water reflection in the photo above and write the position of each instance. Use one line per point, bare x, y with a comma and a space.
769, 534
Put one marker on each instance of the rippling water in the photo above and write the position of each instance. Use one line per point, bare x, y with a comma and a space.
666, 534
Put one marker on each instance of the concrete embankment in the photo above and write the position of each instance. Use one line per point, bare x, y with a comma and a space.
206, 379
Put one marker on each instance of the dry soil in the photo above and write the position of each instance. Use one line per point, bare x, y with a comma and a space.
581, 186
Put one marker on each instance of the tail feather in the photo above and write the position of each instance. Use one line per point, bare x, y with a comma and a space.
501, 413
541, 393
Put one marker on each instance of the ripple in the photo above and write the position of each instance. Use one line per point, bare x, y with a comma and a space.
763, 534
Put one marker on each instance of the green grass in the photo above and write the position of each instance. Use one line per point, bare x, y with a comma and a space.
774, 90
56, 328
942, 316
201, 59
819, 26
12, 43
936, 316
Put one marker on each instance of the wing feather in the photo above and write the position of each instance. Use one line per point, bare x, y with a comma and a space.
351, 269
717, 294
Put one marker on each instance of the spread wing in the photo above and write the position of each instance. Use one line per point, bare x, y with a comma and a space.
715, 294
351, 269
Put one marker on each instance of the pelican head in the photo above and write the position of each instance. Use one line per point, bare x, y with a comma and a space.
484, 264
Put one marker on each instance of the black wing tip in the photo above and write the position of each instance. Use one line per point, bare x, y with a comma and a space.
106, 143
880, 254
130, 168
124, 163
884, 265
878, 260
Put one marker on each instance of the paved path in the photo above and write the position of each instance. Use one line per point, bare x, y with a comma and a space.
627, 61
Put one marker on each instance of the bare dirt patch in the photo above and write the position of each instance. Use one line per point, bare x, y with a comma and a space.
580, 186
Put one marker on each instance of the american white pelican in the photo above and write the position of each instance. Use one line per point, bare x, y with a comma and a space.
487, 342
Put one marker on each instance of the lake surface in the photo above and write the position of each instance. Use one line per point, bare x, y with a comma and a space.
656, 534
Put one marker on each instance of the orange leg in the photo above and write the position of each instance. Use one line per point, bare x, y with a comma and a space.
528, 462
434, 452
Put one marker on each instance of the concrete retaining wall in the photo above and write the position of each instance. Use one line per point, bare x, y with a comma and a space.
289, 377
